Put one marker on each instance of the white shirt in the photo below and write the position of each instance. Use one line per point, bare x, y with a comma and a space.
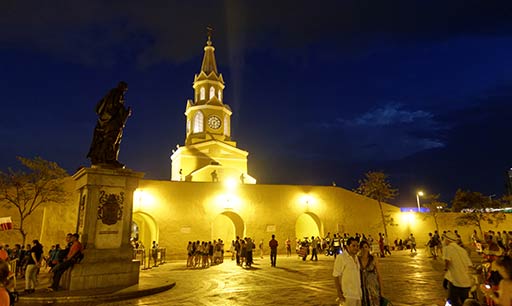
347, 267
458, 268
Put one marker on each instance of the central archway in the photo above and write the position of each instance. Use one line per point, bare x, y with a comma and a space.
227, 226
307, 225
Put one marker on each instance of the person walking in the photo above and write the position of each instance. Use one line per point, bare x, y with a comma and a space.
273, 250
154, 253
347, 277
261, 248
412, 240
237, 249
250, 247
232, 249
288, 244
457, 267
431, 244
386, 245
381, 245
314, 249
437, 241
33, 264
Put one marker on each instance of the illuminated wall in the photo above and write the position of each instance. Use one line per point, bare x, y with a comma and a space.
173, 213
191, 211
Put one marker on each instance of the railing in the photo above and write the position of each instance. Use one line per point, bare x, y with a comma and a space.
139, 254
162, 252
13, 265
150, 259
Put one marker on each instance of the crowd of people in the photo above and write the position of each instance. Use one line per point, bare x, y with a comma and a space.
495, 247
335, 244
358, 281
30, 259
202, 254
242, 250
356, 266
494, 242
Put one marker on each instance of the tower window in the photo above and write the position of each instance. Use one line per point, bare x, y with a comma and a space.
198, 122
220, 95
226, 125
202, 93
212, 92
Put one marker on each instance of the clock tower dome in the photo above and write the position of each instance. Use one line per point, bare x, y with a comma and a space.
209, 153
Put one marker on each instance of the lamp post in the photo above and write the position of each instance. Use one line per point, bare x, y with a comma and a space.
418, 194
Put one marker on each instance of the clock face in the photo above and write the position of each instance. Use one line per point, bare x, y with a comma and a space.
214, 122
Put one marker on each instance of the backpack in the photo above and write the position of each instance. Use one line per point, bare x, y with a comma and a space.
62, 254
78, 257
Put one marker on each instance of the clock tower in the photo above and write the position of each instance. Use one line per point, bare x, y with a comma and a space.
209, 153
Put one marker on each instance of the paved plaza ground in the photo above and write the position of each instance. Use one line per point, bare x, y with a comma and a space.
408, 280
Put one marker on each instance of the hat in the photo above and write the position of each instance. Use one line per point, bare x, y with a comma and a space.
451, 236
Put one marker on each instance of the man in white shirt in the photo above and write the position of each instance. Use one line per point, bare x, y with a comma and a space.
457, 265
346, 275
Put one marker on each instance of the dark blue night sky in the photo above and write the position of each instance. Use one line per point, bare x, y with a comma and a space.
421, 90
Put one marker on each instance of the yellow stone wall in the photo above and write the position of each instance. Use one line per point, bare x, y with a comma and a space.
59, 219
173, 213
185, 211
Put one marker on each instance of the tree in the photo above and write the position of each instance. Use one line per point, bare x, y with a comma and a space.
27, 191
434, 206
505, 201
477, 209
375, 185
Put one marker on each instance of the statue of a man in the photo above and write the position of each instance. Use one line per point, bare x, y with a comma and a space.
112, 116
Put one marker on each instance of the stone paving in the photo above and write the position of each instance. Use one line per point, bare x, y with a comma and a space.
408, 280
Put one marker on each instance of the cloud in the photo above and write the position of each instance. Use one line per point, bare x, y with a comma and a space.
390, 114
390, 132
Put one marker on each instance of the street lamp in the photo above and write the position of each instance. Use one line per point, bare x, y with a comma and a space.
418, 194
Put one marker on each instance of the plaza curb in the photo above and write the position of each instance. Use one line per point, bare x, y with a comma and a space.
84, 296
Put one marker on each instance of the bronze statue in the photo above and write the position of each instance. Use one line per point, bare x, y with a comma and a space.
112, 116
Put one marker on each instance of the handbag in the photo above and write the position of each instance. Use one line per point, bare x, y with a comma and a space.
385, 302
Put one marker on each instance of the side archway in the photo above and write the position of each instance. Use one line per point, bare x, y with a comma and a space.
226, 226
308, 225
147, 228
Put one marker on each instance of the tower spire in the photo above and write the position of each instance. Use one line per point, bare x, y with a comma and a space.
209, 64
209, 31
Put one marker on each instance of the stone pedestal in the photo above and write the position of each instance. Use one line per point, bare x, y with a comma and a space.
104, 223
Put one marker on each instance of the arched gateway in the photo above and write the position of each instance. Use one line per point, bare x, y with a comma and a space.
144, 227
308, 225
226, 226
